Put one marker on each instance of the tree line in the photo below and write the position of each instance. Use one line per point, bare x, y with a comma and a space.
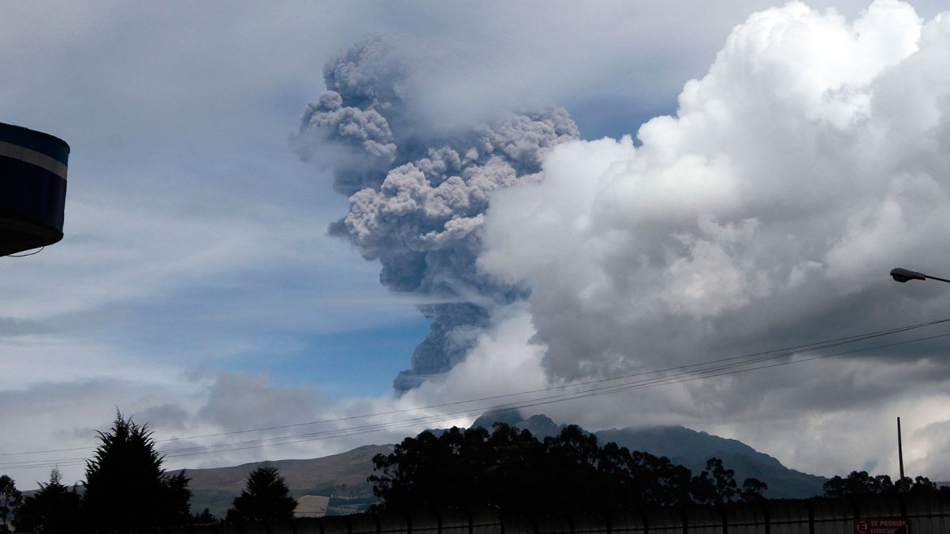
862, 483
126, 489
511, 469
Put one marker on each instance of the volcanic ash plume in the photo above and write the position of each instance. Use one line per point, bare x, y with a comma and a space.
418, 192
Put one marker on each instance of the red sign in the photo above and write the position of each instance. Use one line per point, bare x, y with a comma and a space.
881, 525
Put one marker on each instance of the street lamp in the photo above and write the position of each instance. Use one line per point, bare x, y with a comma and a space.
903, 275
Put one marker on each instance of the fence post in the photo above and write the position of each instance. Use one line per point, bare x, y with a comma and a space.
646, 520
811, 516
903, 506
608, 523
471, 519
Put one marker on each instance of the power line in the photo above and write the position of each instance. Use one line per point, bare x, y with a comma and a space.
743, 359
671, 375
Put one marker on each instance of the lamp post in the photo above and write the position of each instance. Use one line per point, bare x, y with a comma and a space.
903, 275
900, 456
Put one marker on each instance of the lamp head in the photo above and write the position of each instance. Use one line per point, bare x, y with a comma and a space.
903, 275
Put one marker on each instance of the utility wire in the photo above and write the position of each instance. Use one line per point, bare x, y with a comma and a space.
672, 375
784, 352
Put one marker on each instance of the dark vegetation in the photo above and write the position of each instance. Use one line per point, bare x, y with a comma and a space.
682, 446
265, 500
691, 449
54, 508
126, 488
861, 483
10, 499
511, 469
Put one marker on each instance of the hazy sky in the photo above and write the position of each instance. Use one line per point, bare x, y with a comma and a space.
574, 192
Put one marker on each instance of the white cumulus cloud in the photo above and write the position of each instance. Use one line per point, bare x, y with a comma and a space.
807, 162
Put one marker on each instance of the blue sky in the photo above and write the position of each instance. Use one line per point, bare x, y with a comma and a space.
197, 289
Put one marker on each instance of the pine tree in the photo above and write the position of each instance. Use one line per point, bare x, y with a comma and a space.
55, 509
265, 500
205, 517
126, 486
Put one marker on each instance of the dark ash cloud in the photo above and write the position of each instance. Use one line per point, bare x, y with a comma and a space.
418, 191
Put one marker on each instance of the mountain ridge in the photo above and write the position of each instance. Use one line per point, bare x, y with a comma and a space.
684, 446
342, 477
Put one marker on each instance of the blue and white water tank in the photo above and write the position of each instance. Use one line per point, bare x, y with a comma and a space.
32, 188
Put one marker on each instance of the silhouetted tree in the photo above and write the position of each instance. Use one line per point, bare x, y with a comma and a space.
10, 499
511, 469
205, 518
920, 484
715, 485
126, 487
753, 490
506, 467
858, 483
404, 472
265, 500
54, 509
573, 459
659, 481
861, 483
613, 465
